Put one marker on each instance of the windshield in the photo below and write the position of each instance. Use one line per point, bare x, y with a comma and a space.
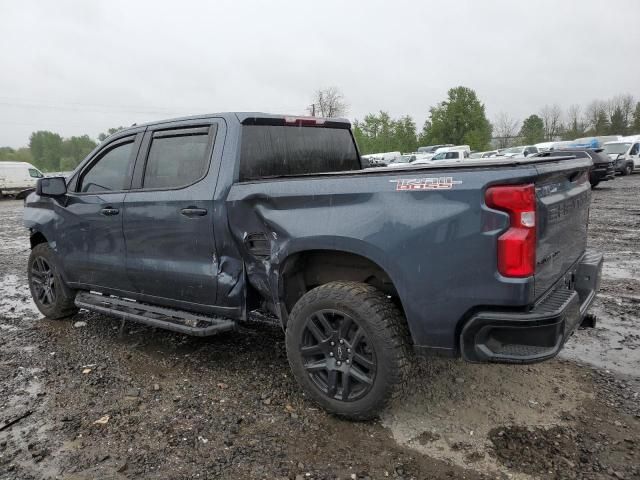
616, 148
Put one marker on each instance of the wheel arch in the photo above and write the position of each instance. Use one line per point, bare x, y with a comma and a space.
305, 269
37, 238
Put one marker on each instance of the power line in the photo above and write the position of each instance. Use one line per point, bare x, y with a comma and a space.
109, 109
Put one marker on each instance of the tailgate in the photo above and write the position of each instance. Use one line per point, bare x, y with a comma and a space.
563, 197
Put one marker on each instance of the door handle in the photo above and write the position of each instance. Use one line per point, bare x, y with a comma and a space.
109, 211
193, 212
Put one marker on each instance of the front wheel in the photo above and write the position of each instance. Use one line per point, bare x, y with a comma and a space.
627, 170
53, 298
348, 347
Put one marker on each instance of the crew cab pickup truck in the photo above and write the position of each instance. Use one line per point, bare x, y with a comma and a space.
192, 224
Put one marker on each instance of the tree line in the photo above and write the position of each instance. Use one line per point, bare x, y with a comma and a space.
460, 119
50, 152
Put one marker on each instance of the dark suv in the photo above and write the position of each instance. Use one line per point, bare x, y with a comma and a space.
603, 167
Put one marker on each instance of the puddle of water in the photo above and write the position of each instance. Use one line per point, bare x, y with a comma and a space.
619, 271
606, 345
15, 298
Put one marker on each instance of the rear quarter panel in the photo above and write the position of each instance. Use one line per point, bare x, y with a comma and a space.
437, 246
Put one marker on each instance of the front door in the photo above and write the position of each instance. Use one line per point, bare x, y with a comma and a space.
168, 216
92, 243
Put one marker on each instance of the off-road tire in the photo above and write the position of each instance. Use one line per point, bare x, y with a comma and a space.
386, 333
62, 305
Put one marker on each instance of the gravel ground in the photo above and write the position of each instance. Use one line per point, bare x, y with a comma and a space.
102, 400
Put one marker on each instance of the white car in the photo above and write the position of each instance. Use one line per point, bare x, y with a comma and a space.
18, 178
522, 151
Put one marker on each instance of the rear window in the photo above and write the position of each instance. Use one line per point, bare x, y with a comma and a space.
274, 151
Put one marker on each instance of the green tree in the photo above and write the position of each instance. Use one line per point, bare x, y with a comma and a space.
74, 150
380, 133
405, 134
46, 148
6, 154
111, 131
617, 124
635, 127
460, 119
601, 124
532, 129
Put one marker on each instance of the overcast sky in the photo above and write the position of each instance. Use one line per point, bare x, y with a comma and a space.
82, 66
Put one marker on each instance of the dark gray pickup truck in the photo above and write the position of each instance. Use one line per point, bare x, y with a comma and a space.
192, 224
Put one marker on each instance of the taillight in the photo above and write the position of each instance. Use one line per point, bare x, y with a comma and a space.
516, 246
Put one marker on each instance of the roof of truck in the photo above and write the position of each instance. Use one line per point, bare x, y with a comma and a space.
242, 117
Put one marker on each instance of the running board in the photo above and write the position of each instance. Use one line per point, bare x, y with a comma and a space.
166, 318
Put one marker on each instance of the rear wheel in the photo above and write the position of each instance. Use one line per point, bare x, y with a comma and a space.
53, 298
348, 348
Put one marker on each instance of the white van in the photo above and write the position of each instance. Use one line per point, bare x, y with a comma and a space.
625, 153
17, 178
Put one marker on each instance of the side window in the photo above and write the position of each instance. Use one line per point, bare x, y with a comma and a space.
34, 173
177, 158
635, 149
111, 172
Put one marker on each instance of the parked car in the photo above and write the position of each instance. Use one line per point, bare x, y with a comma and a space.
593, 142
603, 169
18, 178
489, 154
383, 159
409, 159
432, 148
459, 152
191, 224
523, 151
626, 154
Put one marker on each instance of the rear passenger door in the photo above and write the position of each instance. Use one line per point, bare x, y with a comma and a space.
168, 214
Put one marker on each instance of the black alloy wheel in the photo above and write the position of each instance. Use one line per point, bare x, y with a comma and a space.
43, 282
337, 355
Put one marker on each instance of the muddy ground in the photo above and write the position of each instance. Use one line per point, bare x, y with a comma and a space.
106, 401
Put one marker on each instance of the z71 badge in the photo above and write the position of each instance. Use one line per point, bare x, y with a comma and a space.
441, 183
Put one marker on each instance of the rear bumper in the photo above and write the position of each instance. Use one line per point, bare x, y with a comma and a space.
602, 172
540, 333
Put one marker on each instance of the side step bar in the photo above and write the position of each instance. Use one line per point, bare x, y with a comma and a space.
166, 318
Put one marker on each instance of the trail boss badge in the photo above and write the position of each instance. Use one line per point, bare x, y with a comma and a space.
441, 183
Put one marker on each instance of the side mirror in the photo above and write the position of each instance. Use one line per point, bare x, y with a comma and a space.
51, 186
